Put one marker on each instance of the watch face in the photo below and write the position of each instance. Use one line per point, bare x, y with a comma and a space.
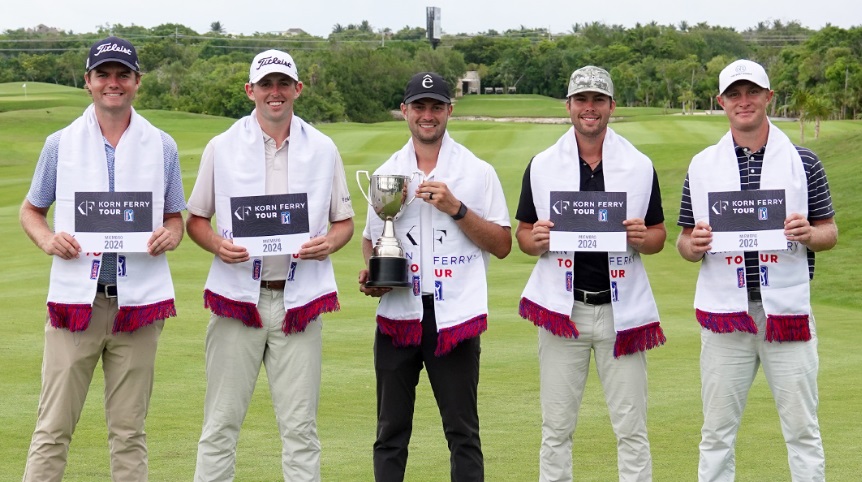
462, 211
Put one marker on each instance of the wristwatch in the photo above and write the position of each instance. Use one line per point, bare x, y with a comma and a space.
462, 211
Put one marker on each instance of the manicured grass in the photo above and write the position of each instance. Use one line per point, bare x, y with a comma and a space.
40, 96
508, 397
528, 105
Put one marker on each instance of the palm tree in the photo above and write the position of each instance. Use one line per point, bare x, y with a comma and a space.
799, 104
217, 27
818, 108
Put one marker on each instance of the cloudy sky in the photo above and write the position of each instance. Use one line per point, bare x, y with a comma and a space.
458, 16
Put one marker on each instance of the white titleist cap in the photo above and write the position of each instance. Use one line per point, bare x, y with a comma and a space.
272, 61
742, 70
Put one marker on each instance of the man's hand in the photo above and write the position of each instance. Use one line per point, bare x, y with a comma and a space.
316, 248
437, 194
373, 292
231, 253
636, 231
162, 241
61, 244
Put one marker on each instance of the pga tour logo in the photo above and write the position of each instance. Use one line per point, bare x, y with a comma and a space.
256, 268
603, 215
94, 269
291, 271
129, 215
764, 276
285, 217
438, 290
762, 214
416, 289
121, 266
740, 277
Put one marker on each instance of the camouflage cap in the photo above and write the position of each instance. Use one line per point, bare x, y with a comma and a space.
591, 79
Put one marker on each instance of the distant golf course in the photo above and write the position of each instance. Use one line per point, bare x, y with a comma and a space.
509, 387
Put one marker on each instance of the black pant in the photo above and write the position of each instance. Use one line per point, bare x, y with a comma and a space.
454, 379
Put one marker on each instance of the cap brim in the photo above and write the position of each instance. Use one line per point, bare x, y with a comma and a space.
428, 95
744, 80
590, 89
264, 74
116, 61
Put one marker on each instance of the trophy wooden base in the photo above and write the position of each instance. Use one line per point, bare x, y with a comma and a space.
388, 272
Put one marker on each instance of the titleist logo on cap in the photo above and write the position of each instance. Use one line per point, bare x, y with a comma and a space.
111, 48
272, 60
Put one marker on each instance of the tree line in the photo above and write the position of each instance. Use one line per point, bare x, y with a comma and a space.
357, 73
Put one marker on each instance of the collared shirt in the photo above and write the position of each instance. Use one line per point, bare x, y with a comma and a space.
750, 166
43, 188
202, 200
590, 269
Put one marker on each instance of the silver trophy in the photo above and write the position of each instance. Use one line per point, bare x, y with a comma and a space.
387, 196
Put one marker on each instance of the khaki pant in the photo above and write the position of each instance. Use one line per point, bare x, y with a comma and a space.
234, 354
728, 365
564, 364
68, 364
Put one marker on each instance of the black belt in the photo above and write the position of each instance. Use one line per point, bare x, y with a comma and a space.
110, 291
593, 297
272, 284
754, 295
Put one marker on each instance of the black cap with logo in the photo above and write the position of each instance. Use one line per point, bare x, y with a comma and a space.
113, 49
427, 85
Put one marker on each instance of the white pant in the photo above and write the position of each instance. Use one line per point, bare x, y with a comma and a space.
728, 365
564, 364
234, 353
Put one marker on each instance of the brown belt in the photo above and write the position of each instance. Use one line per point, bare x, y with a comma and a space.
272, 284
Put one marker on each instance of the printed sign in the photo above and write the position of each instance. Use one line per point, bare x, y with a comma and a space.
111, 222
269, 225
747, 220
588, 221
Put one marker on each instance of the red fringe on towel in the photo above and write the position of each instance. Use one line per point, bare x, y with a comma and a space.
639, 339
72, 317
403, 332
130, 318
782, 328
296, 319
227, 308
557, 323
448, 338
726, 322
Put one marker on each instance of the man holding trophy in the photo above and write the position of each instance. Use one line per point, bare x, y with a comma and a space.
434, 304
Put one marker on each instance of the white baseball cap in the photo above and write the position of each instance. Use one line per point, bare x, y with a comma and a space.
742, 70
271, 61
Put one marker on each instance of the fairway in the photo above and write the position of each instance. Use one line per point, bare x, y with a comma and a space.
508, 390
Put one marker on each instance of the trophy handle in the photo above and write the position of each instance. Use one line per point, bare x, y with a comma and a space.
410, 181
367, 196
